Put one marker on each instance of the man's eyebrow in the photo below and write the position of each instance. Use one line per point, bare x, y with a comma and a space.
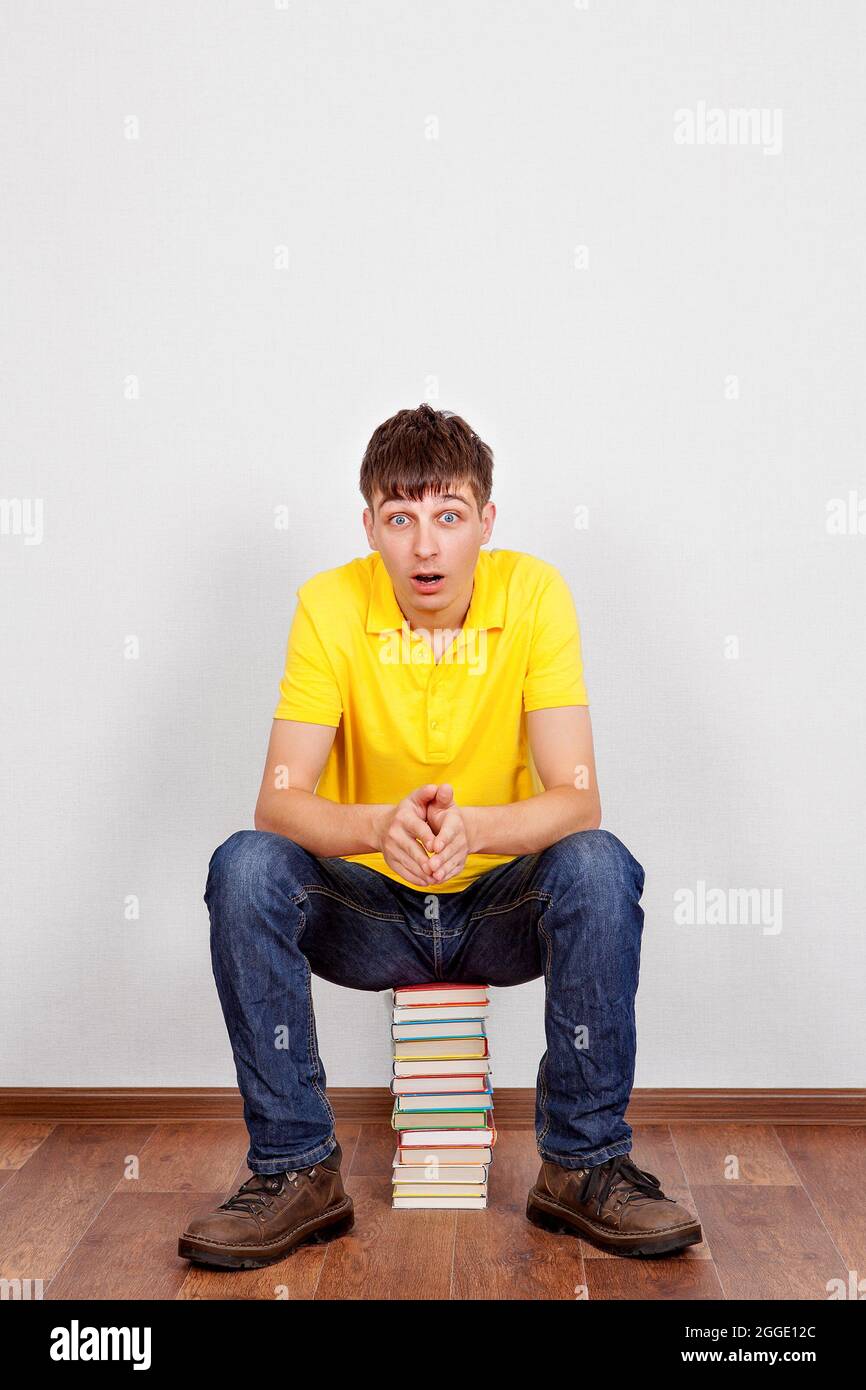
440, 497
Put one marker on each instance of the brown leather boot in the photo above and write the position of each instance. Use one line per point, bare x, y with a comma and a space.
270, 1215
614, 1205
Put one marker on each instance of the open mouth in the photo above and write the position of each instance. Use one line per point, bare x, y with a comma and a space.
423, 580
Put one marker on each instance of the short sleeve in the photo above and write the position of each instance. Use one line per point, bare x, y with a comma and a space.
308, 690
554, 674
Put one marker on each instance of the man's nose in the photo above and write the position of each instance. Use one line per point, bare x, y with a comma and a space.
425, 544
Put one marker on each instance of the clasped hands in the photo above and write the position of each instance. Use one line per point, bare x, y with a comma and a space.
425, 838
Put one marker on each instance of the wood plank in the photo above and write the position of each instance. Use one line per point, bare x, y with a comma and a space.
501, 1255
198, 1157
373, 1154
751, 1153
47, 1206
21, 1138
388, 1254
130, 1250
670, 1277
210, 1155
767, 1242
831, 1164
348, 1132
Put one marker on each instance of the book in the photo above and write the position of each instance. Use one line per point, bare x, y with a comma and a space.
429, 1119
440, 1190
428, 1139
449, 1066
441, 1203
440, 994
459, 1028
443, 1097
456, 1028
422, 1013
439, 1048
439, 1172
407, 1157
455, 1100
418, 1085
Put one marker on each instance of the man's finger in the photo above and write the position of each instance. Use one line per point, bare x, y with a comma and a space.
410, 867
445, 836
441, 803
441, 845
410, 873
418, 829
409, 847
453, 864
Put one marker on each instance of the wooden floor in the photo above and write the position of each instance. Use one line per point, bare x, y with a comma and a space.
793, 1219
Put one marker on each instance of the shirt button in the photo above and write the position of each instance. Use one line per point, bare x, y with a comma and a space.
433, 724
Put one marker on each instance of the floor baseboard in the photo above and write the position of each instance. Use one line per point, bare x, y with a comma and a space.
514, 1106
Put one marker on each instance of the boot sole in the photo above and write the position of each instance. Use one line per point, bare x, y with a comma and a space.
550, 1215
329, 1225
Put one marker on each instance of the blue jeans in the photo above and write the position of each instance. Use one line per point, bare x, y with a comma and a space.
570, 913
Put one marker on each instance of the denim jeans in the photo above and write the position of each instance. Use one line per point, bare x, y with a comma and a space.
570, 913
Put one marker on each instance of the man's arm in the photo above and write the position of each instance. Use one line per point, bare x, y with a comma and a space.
288, 805
562, 749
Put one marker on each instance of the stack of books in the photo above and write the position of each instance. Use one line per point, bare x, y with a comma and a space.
443, 1096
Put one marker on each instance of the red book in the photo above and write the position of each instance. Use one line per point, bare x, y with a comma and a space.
440, 994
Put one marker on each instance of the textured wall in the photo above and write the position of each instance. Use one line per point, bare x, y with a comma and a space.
239, 236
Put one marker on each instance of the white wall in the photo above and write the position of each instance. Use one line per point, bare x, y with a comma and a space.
414, 261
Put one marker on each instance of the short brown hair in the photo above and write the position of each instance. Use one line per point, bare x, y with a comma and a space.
426, 450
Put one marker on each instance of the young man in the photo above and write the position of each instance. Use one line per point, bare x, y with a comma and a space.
429, 811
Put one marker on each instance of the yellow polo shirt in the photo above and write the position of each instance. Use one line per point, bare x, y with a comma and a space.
403, 719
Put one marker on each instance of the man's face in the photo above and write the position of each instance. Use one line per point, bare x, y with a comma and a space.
440, 535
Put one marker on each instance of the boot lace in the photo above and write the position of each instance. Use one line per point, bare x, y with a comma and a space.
601, 1180
253, 1198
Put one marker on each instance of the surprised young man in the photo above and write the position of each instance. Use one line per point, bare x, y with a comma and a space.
429, 811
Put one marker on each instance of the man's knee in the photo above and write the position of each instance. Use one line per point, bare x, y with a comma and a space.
245, 862
599, 858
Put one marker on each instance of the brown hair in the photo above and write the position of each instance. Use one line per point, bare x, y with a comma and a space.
426, 449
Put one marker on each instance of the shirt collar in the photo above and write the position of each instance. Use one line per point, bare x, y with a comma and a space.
486, 607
